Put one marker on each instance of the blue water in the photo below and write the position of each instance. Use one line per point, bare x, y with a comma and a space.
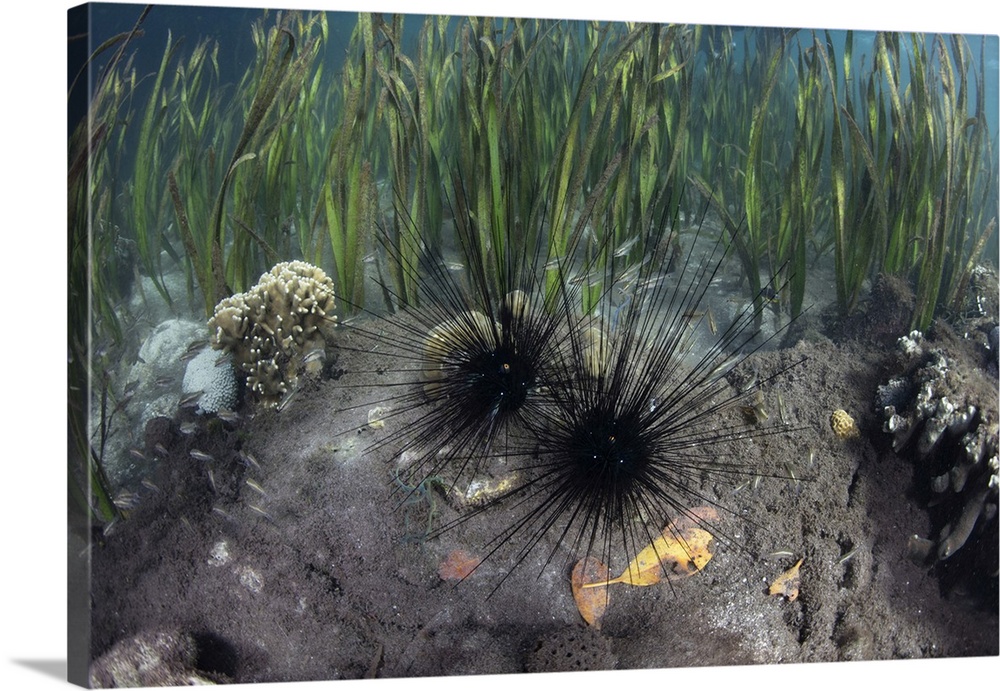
231, 28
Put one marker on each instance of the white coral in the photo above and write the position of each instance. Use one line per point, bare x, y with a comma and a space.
216, 381
273, 328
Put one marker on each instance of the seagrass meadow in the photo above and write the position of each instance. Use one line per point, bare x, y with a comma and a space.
406, 345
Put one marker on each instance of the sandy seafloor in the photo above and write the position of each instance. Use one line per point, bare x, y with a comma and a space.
320, 578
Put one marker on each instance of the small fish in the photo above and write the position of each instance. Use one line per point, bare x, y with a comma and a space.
314, 354
249, 460
189, 355
148, 484
161, 450
123, 401
629, 275
651, 282
188, 428
227, 415
199, 455
163, 381
126, 501
286, 400
220, 512
782, 411
255, 486
576, 279
223, 359
196, 346
790, 469
722, 368
137, 454
211, 482
191, 400
781, 553
260, 511
626, 247
847, 557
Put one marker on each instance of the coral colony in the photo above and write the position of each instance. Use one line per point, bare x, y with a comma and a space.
933, 414
279, 329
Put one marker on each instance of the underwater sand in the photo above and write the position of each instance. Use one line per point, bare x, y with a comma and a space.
319, 578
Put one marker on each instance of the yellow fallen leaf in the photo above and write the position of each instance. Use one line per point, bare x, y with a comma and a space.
590, 602
681, 550
787, 584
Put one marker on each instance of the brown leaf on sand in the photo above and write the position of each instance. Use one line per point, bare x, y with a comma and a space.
681, 550
590, 601
787, 584
457, 565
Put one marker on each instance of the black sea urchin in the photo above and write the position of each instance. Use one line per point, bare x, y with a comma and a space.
476, 347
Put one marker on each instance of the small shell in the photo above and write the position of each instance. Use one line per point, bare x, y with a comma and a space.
843, 425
